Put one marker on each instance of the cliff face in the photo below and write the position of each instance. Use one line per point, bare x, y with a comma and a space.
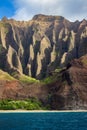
70, 89
38, 46
66, 91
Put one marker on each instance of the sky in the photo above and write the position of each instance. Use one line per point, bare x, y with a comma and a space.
25, 9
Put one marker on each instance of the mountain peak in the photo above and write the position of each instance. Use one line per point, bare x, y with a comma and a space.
4, 19
42, 17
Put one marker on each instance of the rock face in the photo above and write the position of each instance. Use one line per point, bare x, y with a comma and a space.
40, 45
67, 92
70, 90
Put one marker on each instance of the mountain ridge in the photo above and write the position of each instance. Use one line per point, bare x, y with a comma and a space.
51, 49
41, 44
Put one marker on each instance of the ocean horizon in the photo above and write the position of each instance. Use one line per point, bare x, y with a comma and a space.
43, 120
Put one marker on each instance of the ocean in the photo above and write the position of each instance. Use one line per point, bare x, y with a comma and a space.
43, 121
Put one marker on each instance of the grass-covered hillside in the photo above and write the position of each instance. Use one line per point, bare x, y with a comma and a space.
22, 78
5, 76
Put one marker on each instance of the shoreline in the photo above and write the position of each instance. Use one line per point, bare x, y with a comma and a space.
39, 111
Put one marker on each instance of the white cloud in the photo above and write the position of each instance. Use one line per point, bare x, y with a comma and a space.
71, 9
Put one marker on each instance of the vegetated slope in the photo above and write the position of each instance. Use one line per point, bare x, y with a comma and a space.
21, 88
38, 46
64, 90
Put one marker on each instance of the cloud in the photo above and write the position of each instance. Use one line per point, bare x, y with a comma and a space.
71, 9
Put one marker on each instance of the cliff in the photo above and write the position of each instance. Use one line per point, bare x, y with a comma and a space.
65, 89
38, 46
46, 46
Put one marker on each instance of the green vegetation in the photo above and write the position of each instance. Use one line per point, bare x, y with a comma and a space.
58, 70
47, 80
51, 79
29, 104
5, 76
26, 79
22, 78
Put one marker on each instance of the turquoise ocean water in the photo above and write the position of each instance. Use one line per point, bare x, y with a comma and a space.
44, 121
